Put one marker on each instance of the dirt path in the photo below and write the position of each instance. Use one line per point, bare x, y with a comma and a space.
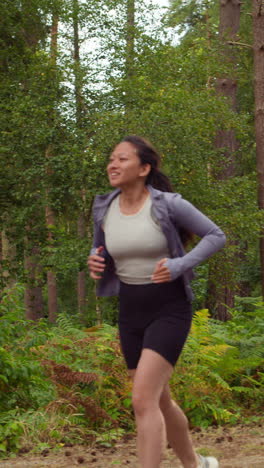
237, 447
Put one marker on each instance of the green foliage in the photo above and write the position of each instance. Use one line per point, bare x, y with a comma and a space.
22, 379
60, 383
220, 375
190, 15
10, 432
198, 386
64, 383
169, 98
47, 374
246, 332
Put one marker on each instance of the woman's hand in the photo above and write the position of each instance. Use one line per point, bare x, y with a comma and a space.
161, 273
96, 264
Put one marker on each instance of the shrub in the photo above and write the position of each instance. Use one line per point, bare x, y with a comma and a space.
65, 383
76, 374
215, 379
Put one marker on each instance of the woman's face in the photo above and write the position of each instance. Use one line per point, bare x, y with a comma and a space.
124, 167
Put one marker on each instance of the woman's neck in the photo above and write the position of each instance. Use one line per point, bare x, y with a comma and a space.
132, 199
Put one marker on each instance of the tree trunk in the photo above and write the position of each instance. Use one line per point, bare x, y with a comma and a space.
99, 315
51, 276
79, 112
221, 286
130, 38
33, 292
54, 39
82, 274
79, 102
229, 19
8, 254
227, 86
50, 215
33, 297
1, 265
258, 33
129, 55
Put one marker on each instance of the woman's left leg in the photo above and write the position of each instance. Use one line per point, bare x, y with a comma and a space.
151, 375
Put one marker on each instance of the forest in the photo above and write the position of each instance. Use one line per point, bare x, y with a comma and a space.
76, 77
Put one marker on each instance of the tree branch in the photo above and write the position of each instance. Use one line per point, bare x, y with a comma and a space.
240, 44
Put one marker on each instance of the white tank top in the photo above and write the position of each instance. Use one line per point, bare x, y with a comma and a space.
135, 242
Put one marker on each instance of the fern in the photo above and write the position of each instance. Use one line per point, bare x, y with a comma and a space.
66, 327
210, 370
64, 375
65, 383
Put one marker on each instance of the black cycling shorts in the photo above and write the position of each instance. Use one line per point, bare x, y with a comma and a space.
154, 316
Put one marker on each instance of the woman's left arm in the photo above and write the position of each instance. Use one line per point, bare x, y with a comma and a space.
212, 237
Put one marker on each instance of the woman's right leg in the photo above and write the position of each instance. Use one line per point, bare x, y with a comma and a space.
152, 373
177, 429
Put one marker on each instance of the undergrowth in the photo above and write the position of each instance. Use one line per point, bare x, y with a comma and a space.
63, 384
219, 379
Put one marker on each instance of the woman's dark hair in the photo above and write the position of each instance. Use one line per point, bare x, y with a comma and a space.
148, 155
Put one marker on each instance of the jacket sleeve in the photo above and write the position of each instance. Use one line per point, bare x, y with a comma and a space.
98, 235
97, 238
212, 237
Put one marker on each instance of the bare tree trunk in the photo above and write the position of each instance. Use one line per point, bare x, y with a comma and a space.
33, 292
33, 298
54, 39
79, 103
258, 32
130, 38
49, 212
1, 265
51, 276
221, 285
8, 257
82, 274
227, 86
129, 54
79, 112
99, 316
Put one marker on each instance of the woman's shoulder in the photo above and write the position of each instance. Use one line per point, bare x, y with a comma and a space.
169, 197
176, 206
105, 198
101, 204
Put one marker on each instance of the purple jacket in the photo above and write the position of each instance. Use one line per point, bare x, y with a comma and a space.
172, 212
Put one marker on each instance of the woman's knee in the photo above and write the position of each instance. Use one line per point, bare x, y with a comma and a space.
166, 403
141, 403
169, 407
143, 400
151, 375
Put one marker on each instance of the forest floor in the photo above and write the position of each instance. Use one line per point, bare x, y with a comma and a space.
235, 447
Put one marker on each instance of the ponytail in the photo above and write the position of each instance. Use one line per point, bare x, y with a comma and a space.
159, 181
